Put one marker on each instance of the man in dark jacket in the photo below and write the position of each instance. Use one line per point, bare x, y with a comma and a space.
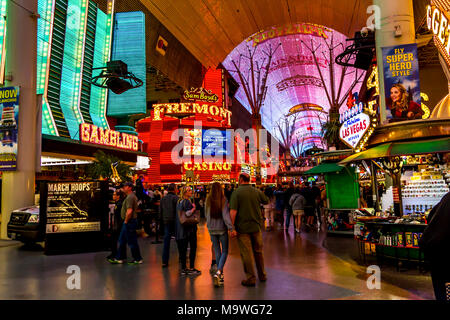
287, 196
435, 242
167, 211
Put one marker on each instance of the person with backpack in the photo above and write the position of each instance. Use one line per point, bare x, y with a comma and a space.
218, 221
186, 232
297, 202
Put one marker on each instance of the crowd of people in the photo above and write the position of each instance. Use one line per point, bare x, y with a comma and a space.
241, 213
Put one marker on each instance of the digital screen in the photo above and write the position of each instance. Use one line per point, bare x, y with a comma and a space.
215, 142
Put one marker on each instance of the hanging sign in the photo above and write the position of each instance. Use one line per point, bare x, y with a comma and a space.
9, 119
401, 83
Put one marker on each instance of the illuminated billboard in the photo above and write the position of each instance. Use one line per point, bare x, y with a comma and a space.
293, 77
74, 37
129, 47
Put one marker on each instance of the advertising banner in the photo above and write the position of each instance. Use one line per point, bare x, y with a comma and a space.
401, 82
9, 126
74, 207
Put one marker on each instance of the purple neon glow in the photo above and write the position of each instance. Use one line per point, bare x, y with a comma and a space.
294, 80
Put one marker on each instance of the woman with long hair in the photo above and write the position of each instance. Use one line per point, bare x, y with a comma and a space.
186, 234
218, 221
402, 108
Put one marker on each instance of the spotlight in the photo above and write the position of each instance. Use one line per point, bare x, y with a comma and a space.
118, 86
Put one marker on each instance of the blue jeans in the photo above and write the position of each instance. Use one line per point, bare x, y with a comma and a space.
287, 221
220, 252
128, 236
169, 231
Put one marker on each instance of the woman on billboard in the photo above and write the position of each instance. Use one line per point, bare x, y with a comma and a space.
401, 108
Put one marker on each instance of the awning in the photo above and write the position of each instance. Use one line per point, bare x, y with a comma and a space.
324, 168
393, 149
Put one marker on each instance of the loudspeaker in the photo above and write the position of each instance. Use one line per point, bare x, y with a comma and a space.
118, 86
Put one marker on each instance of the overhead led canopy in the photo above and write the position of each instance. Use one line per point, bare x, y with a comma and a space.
294, 79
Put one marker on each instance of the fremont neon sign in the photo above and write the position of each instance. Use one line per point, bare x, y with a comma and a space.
110, 138
438, 23
190, 109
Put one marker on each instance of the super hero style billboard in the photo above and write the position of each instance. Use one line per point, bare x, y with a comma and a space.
401, 83
9, 126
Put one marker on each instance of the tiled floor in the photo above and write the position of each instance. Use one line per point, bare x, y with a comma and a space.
310, 266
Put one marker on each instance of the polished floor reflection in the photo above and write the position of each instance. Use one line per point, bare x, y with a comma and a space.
310, 266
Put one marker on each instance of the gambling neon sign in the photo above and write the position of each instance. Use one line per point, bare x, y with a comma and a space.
110, 138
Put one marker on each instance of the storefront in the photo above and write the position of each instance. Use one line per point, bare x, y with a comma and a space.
194, 141
406, 153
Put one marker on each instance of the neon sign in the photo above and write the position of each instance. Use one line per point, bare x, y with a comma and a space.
200, 94
105, 137
438, 23
359, 121
297, 28
190, 109
207, 166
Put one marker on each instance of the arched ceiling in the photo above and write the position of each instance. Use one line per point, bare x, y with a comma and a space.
211, 29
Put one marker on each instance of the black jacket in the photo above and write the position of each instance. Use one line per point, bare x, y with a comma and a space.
436, 237
168, 207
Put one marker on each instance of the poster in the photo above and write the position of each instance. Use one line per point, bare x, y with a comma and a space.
9, 125
401, 83
74, 207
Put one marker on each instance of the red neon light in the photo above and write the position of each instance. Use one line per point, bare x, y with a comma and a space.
95, 135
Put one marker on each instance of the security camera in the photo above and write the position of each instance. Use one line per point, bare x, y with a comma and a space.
365, 32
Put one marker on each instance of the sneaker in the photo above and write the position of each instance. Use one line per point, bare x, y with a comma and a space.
216, 280
184, 272
115, 261
135, 262
221, 280
194, 272
213, 269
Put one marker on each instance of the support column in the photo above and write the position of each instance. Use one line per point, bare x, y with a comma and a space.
18, 187
393, 13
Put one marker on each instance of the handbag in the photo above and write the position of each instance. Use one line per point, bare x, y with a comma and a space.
189, 220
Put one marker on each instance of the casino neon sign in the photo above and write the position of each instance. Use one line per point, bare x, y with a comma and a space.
110, 138
438, 23
190, 109
207, 166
